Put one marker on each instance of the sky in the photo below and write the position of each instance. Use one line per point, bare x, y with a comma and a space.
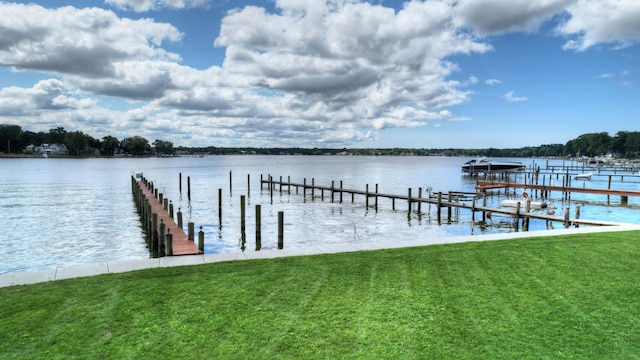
323, 73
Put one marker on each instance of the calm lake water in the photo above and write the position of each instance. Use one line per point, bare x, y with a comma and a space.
60, 212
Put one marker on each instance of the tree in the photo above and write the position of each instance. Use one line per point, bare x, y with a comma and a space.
136, 145
163, 147
10, 138
110, 145
56, 136
76, 142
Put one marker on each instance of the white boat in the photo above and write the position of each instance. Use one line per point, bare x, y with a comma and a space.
535, 205
487, 165
586, 176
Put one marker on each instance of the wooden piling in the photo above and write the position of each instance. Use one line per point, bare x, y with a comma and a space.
168, 243
280, 230
189, 187
201, 240
191, 231
258, 227
242, 215
220, 206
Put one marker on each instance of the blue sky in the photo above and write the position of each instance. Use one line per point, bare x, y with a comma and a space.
311, 73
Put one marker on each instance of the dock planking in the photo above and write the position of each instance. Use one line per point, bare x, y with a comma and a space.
181, 245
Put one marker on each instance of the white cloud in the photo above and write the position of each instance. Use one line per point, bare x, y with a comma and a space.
593, 22
510, 96
492, 82
89, 42
147, 5
488, 17
603, 76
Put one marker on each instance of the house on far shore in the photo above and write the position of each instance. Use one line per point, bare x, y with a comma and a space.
47, 149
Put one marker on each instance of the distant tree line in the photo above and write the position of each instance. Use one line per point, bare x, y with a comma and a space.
13, 139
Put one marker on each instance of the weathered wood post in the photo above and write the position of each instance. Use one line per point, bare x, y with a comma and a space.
313, 187
280, 230
473, 210
409, 199
242, 214
566, 217
517, 215
171, 209
168, 243
376, 198
340, 191
258, 227
230, 181
484, 204
248, 184
154, 236
527, 219
420, 197
189, 187
366, 195
271, 187
161, 244
449, 207
201, 240
439, 206
332, 187
280, 184
191, 231
179, 218
577, 215
220, 206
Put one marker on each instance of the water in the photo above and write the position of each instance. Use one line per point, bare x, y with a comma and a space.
60, 212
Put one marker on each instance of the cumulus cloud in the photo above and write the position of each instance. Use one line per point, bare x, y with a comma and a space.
304, 72
147, 5
352, 60
90, 42
594, 22
510, 97
487, 17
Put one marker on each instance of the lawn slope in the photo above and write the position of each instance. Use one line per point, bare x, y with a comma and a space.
573, 296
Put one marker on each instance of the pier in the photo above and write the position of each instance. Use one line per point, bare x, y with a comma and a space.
164, 236
449, 201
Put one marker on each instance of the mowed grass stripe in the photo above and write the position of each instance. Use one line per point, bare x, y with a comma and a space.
569, 296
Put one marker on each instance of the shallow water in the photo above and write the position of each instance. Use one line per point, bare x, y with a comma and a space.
60, 212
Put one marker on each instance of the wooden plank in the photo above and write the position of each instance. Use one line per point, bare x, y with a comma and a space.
181, 243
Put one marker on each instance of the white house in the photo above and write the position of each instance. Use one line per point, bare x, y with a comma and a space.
48, 149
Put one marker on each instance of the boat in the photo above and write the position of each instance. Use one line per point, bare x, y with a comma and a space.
487, 165
586, 176
533, 205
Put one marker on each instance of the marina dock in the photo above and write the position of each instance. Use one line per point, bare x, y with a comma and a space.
449, 201
164, 236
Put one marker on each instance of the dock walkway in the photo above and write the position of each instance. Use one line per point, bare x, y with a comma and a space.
439, 199
485, 185
181, 245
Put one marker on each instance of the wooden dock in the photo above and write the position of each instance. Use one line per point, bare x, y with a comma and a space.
446, 200
165, 237
624, 194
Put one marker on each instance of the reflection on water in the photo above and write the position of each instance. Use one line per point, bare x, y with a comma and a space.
59, 212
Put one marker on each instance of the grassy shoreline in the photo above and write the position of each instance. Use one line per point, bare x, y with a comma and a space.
569, 296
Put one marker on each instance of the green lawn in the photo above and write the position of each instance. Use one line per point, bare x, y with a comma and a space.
574, 296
